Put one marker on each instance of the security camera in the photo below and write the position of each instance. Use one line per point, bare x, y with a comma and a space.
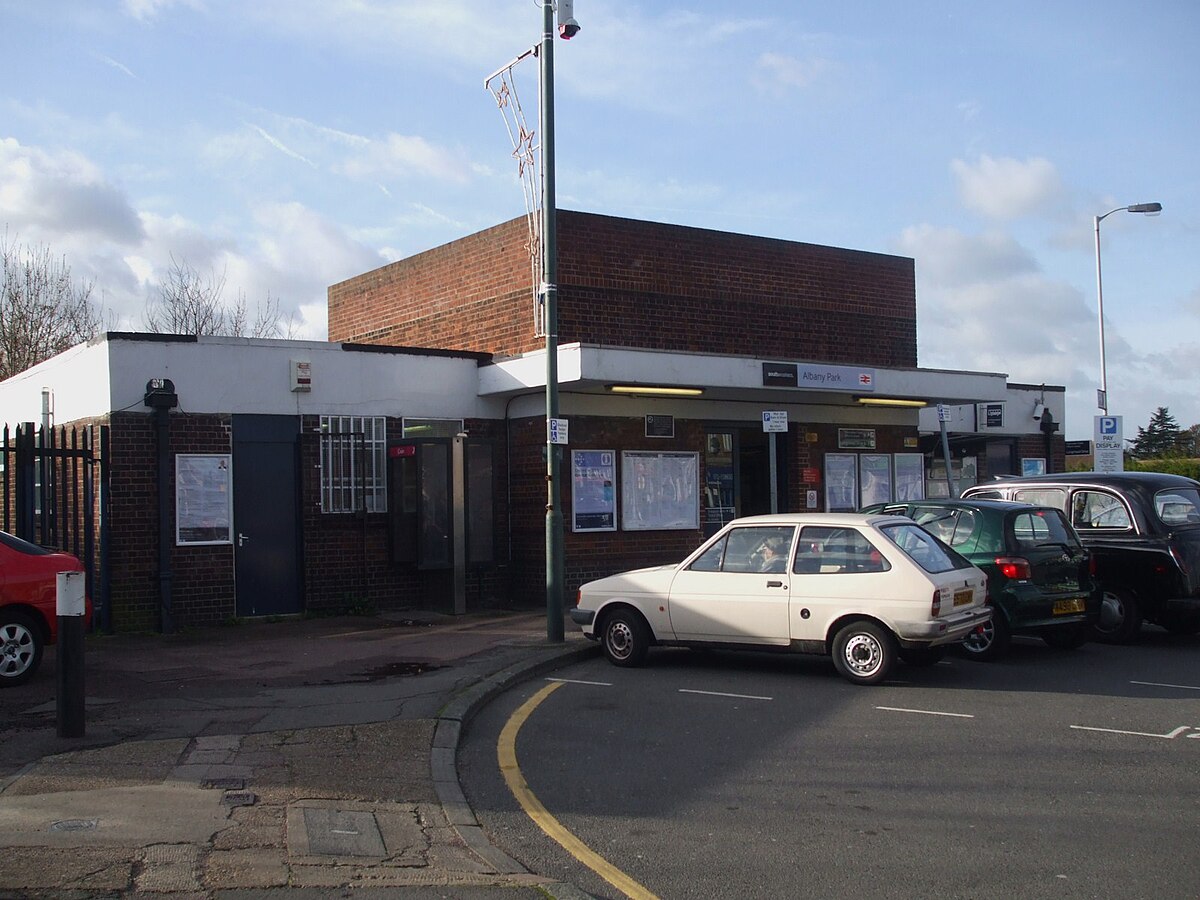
567, 26
1038, 409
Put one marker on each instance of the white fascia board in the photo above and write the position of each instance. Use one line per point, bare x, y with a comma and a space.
616, 365
79, 382
528, 371
228, 376
940, 385
594, 366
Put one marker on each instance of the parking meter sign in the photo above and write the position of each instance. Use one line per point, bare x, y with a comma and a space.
775, 421
1109, 443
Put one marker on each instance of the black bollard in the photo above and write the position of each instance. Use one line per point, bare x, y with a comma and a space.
70, 608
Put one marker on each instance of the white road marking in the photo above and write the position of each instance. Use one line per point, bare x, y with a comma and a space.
719, 694
1182, 687
572, 681
925, 712
1170, 735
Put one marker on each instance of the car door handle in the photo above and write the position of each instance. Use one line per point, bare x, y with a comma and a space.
778, 584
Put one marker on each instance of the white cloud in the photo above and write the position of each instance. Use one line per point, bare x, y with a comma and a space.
398, 156
777, 71
61, 193
948, 258
1007, 188
145, 10
281, 147
375, 160
109, 61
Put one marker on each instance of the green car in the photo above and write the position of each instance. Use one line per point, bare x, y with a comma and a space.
1040, 579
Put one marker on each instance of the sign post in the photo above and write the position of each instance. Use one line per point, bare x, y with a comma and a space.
70, 605
774, 421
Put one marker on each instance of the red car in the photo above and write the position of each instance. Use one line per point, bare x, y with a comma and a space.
28, 605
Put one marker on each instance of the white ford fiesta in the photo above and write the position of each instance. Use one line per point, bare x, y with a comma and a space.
865, 589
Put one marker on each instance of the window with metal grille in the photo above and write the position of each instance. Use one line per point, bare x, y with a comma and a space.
353, 464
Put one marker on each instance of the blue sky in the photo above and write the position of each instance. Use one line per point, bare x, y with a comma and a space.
295, 144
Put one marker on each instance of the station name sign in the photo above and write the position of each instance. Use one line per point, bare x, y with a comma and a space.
823, 378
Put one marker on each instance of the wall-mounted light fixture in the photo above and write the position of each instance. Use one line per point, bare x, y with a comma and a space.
650, 390
892, 401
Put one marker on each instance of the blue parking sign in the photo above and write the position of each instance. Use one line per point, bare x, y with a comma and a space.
1110, 425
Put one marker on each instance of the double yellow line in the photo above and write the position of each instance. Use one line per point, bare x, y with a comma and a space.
506, 751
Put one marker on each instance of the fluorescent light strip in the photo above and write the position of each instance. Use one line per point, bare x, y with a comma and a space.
891, 401
650, 389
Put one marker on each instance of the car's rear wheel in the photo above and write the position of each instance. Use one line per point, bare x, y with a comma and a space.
1065, 637
1120, 619
864, 652
989, 641
626, 638
21, 645
923, 656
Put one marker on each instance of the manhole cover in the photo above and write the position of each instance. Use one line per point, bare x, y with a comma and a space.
75, 825
225, 784
239, 798
337, 832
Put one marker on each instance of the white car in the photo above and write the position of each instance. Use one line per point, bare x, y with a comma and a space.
865, 589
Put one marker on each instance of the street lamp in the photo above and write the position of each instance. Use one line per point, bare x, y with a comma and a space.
1150, 209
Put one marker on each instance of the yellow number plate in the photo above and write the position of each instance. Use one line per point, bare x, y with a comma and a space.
1062, 607
962, 598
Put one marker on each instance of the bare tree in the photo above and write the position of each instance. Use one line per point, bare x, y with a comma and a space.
191, 303
43, 310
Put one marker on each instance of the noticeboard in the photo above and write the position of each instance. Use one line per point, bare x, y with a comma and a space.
203, 499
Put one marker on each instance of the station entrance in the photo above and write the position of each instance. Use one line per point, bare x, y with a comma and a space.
737, 467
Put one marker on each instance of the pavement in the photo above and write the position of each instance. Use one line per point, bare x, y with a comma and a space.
313, 756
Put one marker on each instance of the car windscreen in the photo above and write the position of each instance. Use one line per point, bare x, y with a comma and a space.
22, 546
1178, 506
923, 548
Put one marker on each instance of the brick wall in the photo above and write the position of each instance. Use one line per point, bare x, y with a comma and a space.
202, 587
641, 284
592, 555
472, 294
347, 560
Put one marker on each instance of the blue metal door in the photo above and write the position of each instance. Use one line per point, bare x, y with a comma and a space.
266, 515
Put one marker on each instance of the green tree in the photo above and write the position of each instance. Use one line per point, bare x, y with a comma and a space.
1162, 438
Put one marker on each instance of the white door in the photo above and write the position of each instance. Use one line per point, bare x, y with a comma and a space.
738, 590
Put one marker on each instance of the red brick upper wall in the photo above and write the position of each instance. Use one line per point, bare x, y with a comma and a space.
642, 284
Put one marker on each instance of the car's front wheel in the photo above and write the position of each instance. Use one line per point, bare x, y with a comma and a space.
864, 652
989, 641
1120, 619
625, 637
20, 648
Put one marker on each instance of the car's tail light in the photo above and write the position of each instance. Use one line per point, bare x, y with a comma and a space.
1093, 566
578, 597
1014, 567
935, 608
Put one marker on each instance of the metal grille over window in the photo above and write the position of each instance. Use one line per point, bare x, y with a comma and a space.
353, 464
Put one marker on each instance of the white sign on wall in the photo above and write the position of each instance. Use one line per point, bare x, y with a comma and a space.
1109, 444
